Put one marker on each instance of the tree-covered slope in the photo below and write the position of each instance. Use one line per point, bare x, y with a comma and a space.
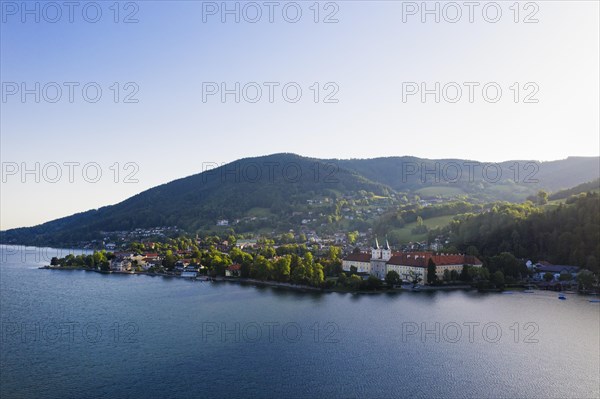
567, 234
272, 192
279, 183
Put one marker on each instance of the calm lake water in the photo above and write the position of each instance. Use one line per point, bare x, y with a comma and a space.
84, 334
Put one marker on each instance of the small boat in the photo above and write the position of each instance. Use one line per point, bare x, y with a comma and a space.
528, 291
562, 297
507, 292
594, 300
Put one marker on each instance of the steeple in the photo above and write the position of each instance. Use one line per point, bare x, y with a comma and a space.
387, 244
376, 243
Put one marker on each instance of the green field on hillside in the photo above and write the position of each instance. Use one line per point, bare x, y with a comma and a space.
444, 191
259, 212
554, 203
405, 234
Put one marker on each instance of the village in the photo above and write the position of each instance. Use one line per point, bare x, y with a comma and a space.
396, 249
340, 261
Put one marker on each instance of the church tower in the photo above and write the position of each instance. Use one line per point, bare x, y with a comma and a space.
376, 252
379, 258
386, 252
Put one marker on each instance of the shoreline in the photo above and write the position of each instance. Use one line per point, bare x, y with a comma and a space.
251, 281
276, 284
302, 287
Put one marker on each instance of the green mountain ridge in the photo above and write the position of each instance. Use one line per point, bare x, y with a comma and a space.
281, 185
411, 173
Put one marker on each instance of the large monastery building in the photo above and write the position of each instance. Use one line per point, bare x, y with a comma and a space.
381, 260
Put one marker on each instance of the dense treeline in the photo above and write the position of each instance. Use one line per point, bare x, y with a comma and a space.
265, 265
99, 259
567, 234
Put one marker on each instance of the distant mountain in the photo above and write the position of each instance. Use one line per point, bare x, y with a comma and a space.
509, 180
270, 192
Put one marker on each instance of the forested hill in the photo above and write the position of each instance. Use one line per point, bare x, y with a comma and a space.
277, 184
269, 193
567, 234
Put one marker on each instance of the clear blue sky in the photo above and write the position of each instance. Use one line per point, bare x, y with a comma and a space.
367, 55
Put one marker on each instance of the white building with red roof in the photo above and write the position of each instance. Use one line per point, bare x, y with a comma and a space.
381, 260
360, 260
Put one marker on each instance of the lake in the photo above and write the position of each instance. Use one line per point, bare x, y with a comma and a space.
85, 334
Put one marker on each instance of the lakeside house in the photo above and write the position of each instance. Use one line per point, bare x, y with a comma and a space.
120, 264
540, 269
128, 261
181, 265
190, 271
234, 270
150, 260
381, 260
185, 268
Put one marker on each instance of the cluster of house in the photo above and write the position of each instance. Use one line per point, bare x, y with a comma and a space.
241, 244
227, 222
424, 246
128, 261
541, 268
381, 260
118, 239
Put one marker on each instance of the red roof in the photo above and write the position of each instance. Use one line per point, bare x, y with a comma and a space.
360, 257
421, 259
234, 267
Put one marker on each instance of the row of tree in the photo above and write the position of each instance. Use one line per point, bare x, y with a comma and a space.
99, 259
